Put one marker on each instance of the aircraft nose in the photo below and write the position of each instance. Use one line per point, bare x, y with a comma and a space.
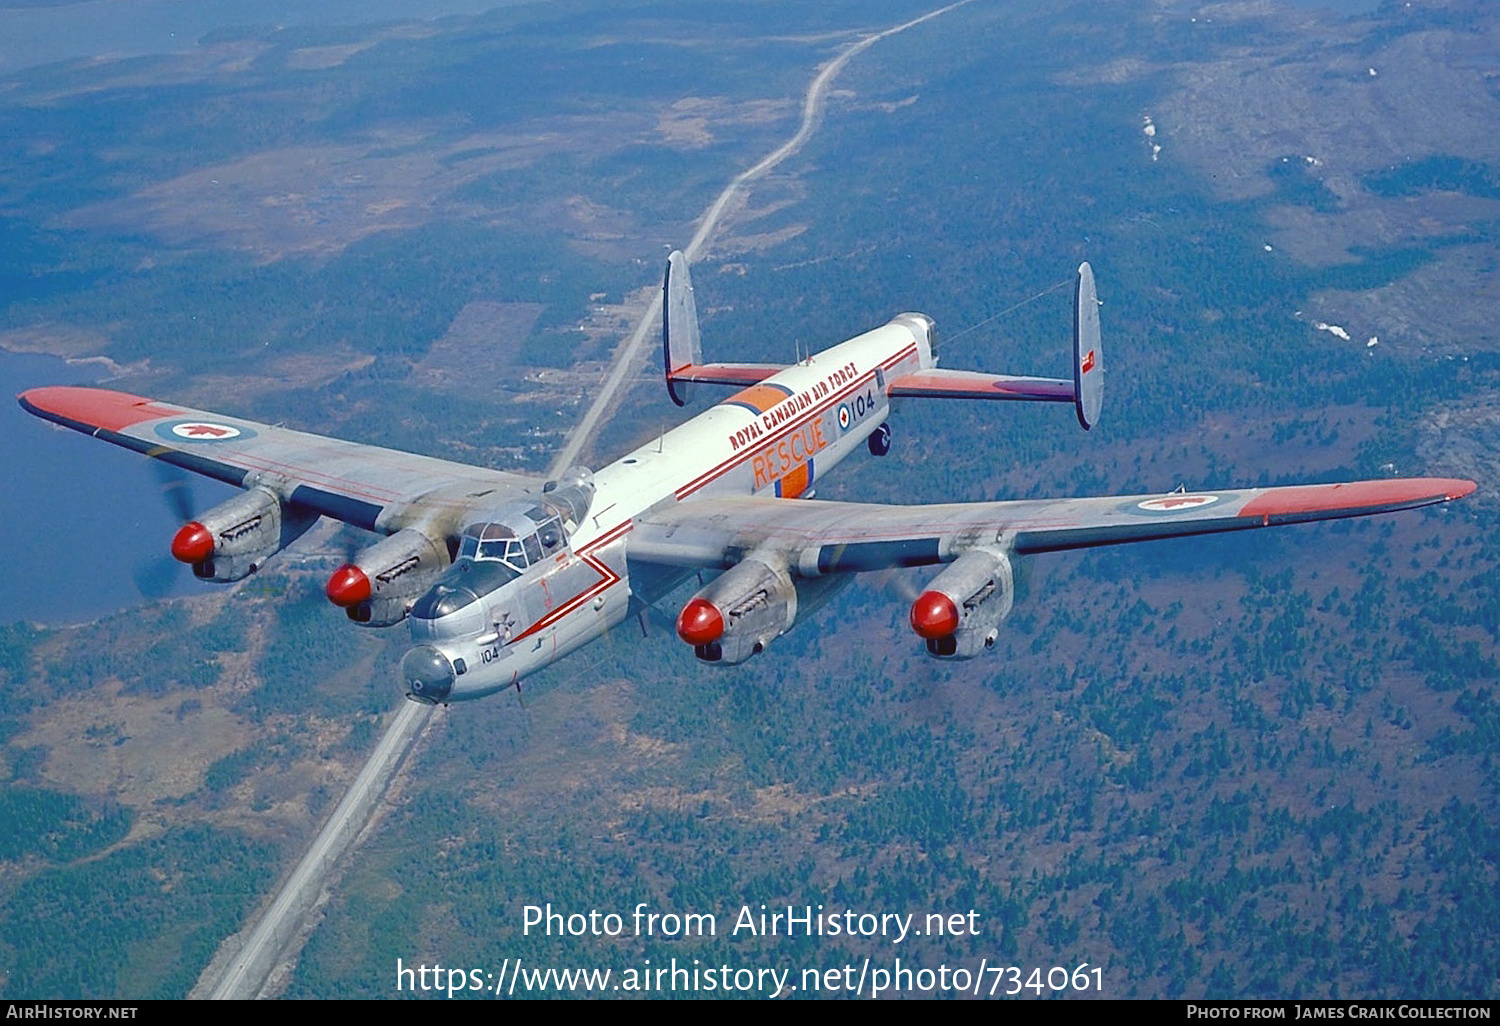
427, 674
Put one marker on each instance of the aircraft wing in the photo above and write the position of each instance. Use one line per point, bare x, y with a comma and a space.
367, 486
817, 537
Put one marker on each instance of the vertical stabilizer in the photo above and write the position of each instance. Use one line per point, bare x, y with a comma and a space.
681, 346
1088, 356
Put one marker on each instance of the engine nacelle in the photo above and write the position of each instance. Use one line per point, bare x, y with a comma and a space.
960, 612
234, 539
740, 612
384, 581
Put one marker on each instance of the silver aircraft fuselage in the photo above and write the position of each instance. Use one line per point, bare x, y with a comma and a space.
776, 438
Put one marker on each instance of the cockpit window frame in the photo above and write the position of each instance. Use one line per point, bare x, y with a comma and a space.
541, 534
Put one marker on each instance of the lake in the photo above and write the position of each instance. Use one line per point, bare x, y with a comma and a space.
86, 524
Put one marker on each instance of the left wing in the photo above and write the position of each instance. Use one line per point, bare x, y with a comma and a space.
377, 489
816, 537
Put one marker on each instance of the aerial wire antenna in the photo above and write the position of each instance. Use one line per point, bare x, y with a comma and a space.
525, 711
1008, 310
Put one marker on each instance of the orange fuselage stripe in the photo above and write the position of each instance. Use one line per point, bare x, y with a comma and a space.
608, 578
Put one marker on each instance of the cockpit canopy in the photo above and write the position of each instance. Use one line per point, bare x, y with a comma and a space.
519, 540
501, 544
491, 553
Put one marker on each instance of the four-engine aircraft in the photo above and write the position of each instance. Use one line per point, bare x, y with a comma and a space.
500, 574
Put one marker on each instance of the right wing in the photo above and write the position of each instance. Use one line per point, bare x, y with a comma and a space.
817, 537
377, 489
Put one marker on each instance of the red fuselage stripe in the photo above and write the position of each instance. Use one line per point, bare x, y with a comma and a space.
608, 578
791, 426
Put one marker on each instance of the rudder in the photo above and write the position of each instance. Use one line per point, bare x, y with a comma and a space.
682, 345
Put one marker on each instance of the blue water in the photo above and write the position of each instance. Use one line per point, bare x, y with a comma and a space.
80, 520
124, 28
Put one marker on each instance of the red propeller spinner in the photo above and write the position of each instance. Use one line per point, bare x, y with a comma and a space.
348, 586
700, 622
933, 615
193, 543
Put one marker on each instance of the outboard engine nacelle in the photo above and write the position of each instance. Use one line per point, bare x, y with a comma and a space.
739, 612
379, 587
234, 539
960, 612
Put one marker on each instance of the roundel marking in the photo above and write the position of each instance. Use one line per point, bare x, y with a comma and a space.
202, 431
1176, 503
844, 415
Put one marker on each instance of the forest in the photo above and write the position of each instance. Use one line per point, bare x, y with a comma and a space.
1250, 766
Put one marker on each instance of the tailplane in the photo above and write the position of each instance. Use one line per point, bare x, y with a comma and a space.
1085, 390
682, 345
682, 357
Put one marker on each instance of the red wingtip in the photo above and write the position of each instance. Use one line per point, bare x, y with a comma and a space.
700, 622
93, 407
193, 543
933, 615
1351, 497
348, 586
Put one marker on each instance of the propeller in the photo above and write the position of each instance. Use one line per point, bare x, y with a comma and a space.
155, 577
897, 580
175, 490
348, 586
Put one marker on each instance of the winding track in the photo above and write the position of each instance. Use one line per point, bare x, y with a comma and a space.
246, 973
628, 355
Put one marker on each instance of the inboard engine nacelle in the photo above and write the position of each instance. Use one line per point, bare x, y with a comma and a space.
960, 612
750, 605
234, 539
379, 587
740, 612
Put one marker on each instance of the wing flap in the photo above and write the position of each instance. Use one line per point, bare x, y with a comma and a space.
370, 487
832, 537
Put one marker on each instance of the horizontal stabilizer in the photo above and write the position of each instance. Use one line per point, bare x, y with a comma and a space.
682, 344
721, 374
953, 384
1085, 390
